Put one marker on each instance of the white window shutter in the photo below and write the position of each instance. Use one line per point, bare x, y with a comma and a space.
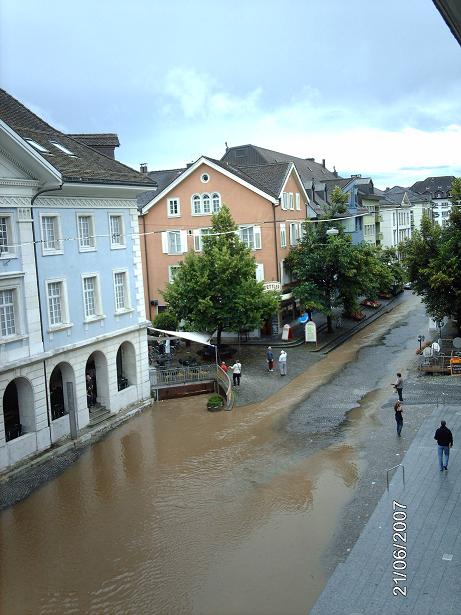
197, 242
301, 230
259, 272
284, 200
298, 201
183, 235
165, 242
291, 206
257, 236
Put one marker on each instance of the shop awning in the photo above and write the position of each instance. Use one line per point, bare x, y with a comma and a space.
199, 338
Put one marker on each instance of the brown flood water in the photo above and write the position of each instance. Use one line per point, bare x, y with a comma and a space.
185, 511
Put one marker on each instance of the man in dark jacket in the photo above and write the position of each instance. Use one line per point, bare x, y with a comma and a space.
444, 439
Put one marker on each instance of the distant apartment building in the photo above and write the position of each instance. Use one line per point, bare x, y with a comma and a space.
401, 211
437, 189
268, 203
72, 318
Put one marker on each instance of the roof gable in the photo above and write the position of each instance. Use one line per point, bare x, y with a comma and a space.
76, 162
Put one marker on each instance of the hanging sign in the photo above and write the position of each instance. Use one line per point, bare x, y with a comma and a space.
310, 330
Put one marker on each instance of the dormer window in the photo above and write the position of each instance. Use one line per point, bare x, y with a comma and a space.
62, 148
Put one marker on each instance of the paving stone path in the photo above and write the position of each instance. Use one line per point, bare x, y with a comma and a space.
364, 584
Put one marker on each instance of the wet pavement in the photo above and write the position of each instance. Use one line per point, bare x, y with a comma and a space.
183, 511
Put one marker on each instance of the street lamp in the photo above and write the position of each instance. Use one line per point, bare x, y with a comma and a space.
421, 339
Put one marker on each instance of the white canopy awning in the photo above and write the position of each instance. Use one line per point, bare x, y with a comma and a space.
200, 338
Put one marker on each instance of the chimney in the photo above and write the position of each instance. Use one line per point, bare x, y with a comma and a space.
143, 168
323, 162
189, 164
335, 172
310, 159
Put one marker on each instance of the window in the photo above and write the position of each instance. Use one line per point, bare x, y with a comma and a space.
284, 203
37, 146
7, 312
174, 242
206, 207
173, 208
259, 272
121, 292
6, 236
290, 201
57, 303
216, 202
205, 204
283, 236
205, 178
91, 297
117, 234
86, 240
298, 201
251, 236
198, 236
293, 233
51, 235
172, 270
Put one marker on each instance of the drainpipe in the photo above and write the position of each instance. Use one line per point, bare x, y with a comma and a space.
275, 240
37, 194
147, 266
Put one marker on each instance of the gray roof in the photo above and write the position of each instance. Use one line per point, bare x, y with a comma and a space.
107, 139
308, 169
433, 185
84, 165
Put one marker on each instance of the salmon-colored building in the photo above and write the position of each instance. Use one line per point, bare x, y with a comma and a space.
268, 203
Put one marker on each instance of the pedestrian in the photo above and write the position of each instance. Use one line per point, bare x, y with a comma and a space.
283, 363
398, 385
223, 366
270, 359
444, 439
236, 372
398, 416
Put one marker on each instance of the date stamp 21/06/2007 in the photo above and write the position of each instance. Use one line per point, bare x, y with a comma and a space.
399, 548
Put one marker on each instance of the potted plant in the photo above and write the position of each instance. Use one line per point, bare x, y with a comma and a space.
215, 403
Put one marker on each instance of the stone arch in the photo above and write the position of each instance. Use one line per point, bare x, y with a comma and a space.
97, 380
126, 365
59, 388
18, 408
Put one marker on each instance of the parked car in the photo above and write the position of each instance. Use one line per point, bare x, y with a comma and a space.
408, 286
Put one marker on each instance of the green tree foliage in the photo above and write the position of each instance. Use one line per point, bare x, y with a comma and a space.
455, 191
338, 203
216, 290
166, 320
332, 272
433, 260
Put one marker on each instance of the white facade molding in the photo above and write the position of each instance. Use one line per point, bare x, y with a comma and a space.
68, 202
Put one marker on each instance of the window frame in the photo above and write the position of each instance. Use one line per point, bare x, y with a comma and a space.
170, 272
283, 235
57, 229
10, 253
126, 289
91, 248
98, 315
199, 200
65, 320
15, 305
122, 244
175, 201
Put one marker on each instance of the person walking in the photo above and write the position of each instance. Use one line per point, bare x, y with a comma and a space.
398, 385
398, 416
236, 373
444, 439
270, 359
283, 363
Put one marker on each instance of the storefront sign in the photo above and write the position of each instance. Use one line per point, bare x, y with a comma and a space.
455, 366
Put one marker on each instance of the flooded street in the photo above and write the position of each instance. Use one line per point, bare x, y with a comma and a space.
230, 513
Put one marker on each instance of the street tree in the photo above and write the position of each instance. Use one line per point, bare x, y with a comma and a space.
216, 290
338, 203
331, 271
433, 260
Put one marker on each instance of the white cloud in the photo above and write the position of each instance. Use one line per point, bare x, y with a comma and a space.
377, 141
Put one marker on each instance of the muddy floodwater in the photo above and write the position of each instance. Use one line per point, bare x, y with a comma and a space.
185, 511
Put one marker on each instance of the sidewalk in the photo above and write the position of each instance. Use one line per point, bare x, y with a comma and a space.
431, 525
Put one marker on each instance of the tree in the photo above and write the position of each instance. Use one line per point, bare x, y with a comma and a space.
338, 203
332, 272
216, 290
433, 260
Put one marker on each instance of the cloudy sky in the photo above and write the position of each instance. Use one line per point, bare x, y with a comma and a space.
373, 87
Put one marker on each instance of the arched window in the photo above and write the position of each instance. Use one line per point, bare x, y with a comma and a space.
206, 203
196, 204
126, 366
216, 202
18, 409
